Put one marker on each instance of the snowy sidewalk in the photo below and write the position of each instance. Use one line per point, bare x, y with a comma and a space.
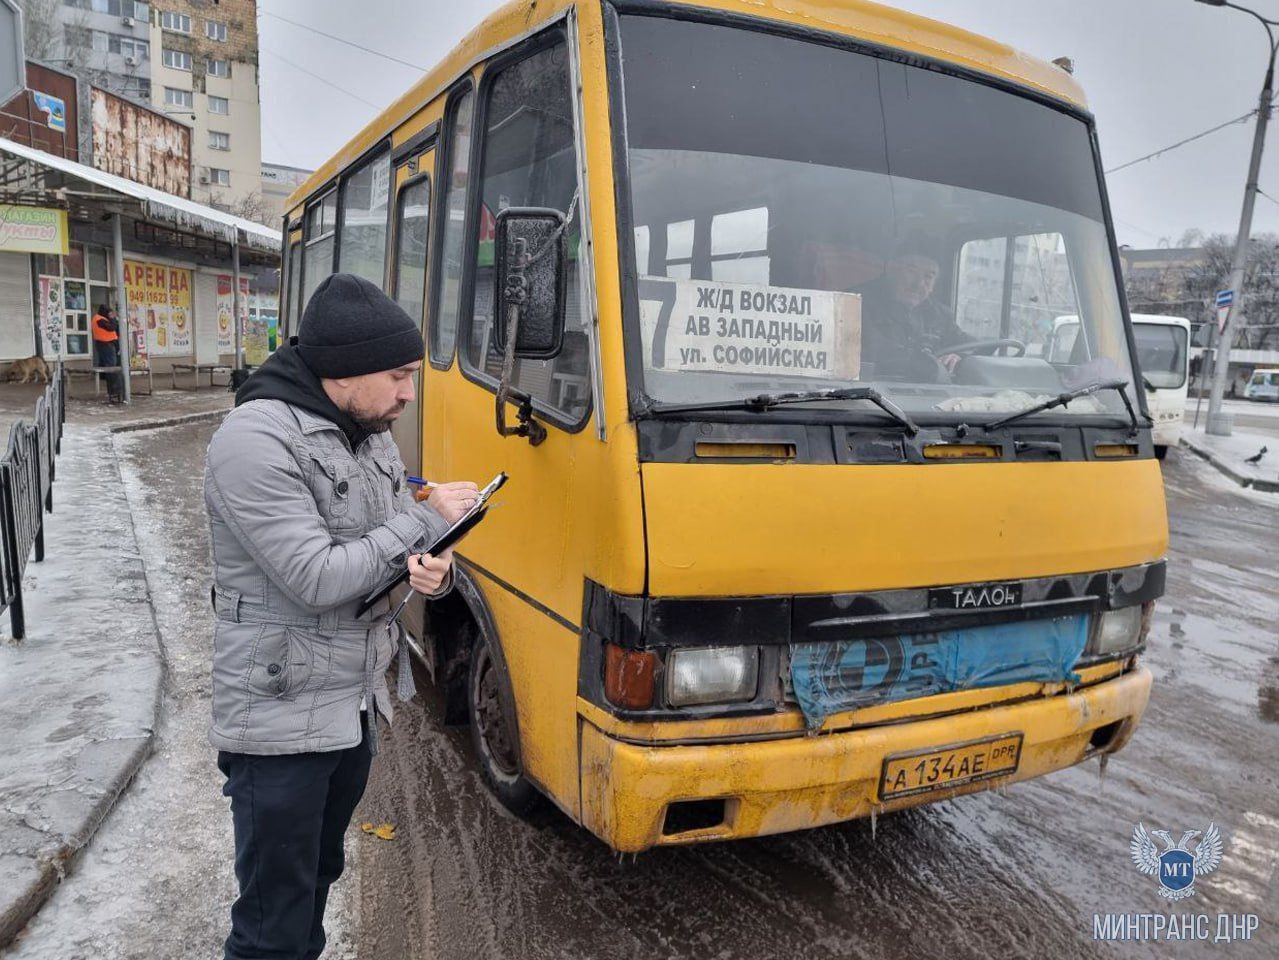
1231, 455
79, 695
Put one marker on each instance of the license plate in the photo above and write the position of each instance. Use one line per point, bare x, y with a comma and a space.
920, 771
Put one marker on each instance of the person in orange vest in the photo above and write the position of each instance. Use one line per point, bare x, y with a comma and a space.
106, 348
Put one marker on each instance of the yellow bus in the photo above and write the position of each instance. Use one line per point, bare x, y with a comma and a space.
808, 519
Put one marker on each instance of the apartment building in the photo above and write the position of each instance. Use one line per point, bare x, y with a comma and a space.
278, 183
107, 42
196, 61
204, 67
1022, 299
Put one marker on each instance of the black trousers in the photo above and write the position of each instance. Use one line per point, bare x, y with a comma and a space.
106, 353
290, 814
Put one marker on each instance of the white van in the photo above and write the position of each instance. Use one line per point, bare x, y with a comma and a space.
1264, 385
1163, 353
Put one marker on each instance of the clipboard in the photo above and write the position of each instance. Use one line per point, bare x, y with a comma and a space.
449, 538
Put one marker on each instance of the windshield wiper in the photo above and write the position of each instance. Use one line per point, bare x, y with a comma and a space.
767, 401
1121, 386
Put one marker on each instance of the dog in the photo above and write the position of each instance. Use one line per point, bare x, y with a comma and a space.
32, 368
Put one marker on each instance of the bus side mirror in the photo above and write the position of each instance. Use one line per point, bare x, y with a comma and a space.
531, 256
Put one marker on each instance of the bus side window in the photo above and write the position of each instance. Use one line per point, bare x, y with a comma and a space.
289, 321
737, 251
366, 194
411, 230
530, 161
1022, 300
456, 147
318, 233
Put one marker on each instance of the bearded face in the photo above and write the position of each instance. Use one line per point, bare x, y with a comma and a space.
376, 400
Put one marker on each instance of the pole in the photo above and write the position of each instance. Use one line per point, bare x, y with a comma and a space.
1209, 354
235, 300
122, 311
1220, 422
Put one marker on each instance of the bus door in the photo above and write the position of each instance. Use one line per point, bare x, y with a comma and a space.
530, 556
412, 186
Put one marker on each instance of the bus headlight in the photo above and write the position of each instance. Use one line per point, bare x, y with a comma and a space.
1122, 629
702, 675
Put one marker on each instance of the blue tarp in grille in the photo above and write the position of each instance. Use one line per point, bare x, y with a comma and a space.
848, 674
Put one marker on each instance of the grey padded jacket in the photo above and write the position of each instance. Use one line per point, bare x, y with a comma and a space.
302, 529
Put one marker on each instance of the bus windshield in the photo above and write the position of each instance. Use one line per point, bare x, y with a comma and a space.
808, 217
1161, 352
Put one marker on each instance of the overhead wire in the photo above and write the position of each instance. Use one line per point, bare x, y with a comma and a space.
1267, 196
324, 80
1181, 143
349, 43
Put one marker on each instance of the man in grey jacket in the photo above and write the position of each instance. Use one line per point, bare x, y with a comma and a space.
309, 513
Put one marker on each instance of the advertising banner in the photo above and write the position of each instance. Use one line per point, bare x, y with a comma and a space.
256, 342
226, 305
160, 307
226, 334
180, 318
33, 230
147, 292
50, 308
54, 107
147, 287
262, 331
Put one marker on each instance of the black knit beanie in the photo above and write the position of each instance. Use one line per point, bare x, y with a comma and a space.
350, 328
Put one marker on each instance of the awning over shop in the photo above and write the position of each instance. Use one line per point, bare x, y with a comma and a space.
156, 206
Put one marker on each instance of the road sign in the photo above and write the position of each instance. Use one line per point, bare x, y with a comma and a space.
1225, 300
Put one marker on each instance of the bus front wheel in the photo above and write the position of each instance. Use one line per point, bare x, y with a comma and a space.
493, 734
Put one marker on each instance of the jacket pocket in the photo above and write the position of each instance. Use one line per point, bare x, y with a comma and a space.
282, 663
384, 647
335, 484
390, 465
390, 481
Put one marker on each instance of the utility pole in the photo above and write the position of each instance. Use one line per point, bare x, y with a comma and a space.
1221, 422
235, 301
122, 308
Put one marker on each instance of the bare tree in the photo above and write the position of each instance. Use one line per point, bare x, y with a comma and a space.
253, 207
41, 28
51, 33
1193, 237
1188, 287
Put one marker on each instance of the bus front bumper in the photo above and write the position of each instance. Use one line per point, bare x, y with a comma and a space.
790, 784
1167, 433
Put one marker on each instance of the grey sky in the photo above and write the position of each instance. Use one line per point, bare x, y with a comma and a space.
1156, 71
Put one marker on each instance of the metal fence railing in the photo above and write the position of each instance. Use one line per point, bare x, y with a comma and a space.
27, 471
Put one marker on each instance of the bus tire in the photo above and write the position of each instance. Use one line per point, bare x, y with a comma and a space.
493, 736
1161, 451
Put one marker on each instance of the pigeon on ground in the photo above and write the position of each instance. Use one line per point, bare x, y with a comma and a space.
1257, 459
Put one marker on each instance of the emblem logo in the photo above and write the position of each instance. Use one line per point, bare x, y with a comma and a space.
1176, 868
988, 596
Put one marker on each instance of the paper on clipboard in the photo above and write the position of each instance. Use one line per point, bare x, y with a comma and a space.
449, 538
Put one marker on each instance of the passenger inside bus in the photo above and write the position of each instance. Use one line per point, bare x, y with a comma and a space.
905, 331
